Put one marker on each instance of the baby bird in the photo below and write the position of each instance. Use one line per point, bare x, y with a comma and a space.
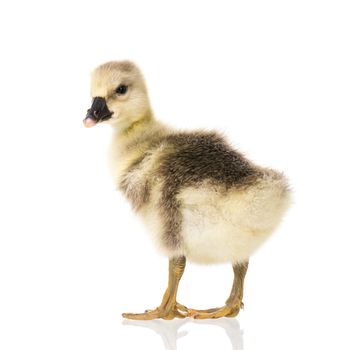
200, 199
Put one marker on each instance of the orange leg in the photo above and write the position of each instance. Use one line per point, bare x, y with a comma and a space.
234, 302
168, 308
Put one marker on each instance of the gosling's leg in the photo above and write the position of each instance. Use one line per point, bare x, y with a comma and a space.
169, 308
234, 302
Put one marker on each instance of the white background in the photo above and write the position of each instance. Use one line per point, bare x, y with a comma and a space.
270, 74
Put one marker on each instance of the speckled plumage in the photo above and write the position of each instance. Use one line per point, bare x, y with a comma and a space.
196, 156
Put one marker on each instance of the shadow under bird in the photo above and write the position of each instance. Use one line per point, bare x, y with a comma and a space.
200, 199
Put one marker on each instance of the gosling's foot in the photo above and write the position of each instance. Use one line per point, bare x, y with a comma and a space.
231, 310
178, 310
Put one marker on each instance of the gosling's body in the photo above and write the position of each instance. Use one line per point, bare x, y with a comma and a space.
197, 196
200, 199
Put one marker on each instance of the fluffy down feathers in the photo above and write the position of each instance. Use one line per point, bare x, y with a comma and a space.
202, 199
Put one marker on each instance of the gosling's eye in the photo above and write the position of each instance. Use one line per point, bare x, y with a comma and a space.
121, 89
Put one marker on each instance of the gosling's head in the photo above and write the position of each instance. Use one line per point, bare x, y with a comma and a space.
119, 95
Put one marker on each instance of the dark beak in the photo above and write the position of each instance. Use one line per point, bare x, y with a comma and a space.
97, 113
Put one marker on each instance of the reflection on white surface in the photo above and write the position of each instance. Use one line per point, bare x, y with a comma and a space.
169, 331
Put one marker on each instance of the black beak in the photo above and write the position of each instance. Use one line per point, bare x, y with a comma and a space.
98, 112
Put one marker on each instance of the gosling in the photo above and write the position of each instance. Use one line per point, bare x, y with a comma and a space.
200, 199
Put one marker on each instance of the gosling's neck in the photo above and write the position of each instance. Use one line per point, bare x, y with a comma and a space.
130, 144
138, 131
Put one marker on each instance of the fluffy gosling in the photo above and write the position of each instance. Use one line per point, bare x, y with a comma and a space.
201, 200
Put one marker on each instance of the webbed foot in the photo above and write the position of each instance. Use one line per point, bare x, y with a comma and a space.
230, 310
178, 310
